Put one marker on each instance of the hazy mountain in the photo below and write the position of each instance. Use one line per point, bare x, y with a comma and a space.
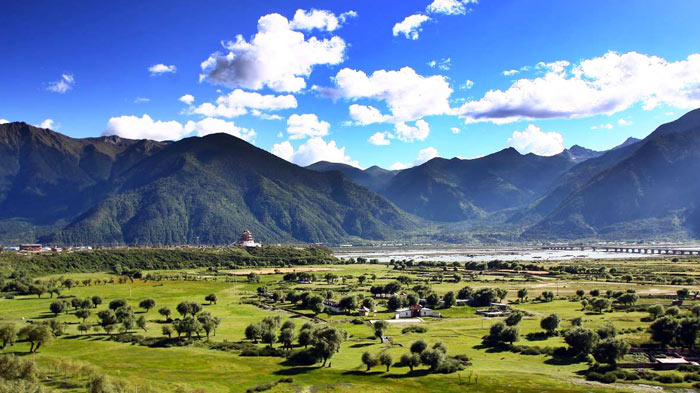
456, 189
374, 177
644, 189
579, 154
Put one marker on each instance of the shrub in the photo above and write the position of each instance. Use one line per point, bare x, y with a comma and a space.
414, 329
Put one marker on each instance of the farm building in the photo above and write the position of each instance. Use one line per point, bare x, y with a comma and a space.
30, 247
416, 311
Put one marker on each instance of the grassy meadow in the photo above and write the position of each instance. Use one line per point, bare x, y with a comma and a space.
197, 366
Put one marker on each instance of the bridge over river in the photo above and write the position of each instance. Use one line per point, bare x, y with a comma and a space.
630, 249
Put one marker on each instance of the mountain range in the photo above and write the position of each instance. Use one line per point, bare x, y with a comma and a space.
111, 190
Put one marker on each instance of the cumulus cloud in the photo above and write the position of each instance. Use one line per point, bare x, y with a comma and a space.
48, 123
510, 72
306, 125
239, 102
468, 84
407, 133
187, 99
424, 155
606, 126
624, 122
455, 130
63, 85
367, 114
144, 127
534, 140
278, 56
410, 26
319, 19
381, 138
160, 69
449, 7
410, 96
4, 121
313, 150
602, 85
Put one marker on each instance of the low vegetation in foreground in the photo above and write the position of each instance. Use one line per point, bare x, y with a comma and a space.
141, 322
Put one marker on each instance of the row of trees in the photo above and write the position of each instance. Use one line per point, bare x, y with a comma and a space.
434, 357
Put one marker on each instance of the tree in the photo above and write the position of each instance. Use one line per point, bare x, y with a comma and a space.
673, 311
191, 308
514, 318
600, 304
165, 312
628, 299
581, 341
465, 293
386, 360
368, 303
141, 323
392, 287
522, 294
305, 336
664, 329
688, 332
287, 336
117, 303
326, 341
655, 311
683, 293
584, 303
594, 292
167, 331
57, 307
411, 360
252, 277
547, 296
37, 335
578, 321
369, 360
432, 300
395, 303
75, 303
349, 303
432, 358
610, 350
696, 311
8, 334
501, 294
361, 280
580, 293
449, 299
208, 322
418, 346
253, 332
550, 324
189, 325
607, 331
83, 328
147, 304
211, 298
96, 301
268, 337
107, 320
380, 327
83, 314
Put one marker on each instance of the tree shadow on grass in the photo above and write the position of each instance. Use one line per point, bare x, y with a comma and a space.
362, 373
361, 345
537, 336
562, 361
295, 370
410, 374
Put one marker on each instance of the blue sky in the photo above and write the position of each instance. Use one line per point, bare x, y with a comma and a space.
354, 81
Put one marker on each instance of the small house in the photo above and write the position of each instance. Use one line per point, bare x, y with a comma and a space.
363, 311
415, 312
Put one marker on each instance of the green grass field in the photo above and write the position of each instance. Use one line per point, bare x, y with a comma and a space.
197, 366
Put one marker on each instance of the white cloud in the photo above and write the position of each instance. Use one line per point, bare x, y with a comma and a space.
4, 121
443, 64
306, 125
160, 69
468, 84
410, 96
210, 125
367, 114
603, 85
47, 123
63, 85
381, 138
534, 140
313, 150
449, 7
144, 127
407, 133
140, 100
238, 102
277, 57
455, 130
510, 72
319, 19
606, 126
187, 99
624, 122
410, 26
424, 155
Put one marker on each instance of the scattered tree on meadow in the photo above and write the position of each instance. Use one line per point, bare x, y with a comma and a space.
369, 360
522, 294
211, 298
411, 360
664, 330
8, 334
37, 335
147, 304
386, 360
610, 350
581, 341
550, 324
